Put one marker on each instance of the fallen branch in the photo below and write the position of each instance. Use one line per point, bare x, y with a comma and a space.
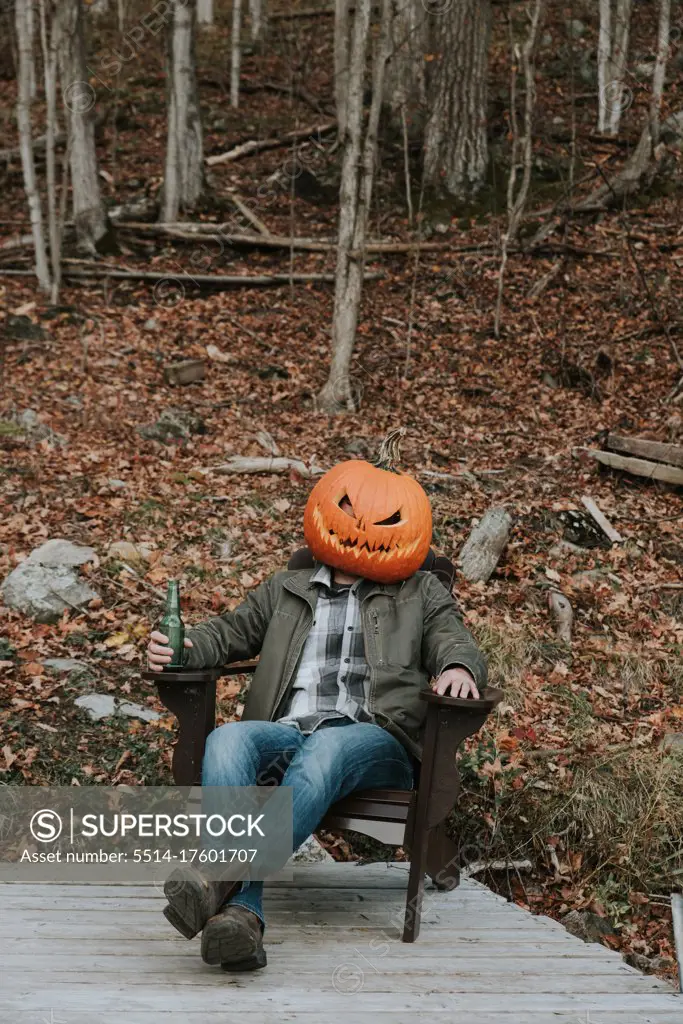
265, 464
478, 866
259, 145
638, 467
601, 519
215, 233
482, 550
197, 280
248, 214
656, 451
564, 616
303, 12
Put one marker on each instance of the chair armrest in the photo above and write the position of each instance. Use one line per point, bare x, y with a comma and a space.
486, 702
190, 694
450, 720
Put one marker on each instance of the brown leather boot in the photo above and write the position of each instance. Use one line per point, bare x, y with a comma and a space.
233, 938
193, 899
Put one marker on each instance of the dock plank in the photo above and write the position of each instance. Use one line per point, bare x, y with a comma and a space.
98, 954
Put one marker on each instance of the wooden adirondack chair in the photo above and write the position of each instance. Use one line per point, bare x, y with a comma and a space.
414, 819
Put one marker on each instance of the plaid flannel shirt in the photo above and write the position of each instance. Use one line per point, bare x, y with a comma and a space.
333, 678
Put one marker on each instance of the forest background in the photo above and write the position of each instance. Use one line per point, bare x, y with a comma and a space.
239, 239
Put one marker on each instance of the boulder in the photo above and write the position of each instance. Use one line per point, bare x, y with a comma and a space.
173, 424
36, 430
587, 926
102, 705
46, 583
58, 665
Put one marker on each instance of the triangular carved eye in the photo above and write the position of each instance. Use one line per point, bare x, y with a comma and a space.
346, 501
391, 521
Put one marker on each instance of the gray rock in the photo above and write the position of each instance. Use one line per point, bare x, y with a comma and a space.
46, 583
44, 592
150, 325
117, 485
587, 926
310, 852
639, 961
672, 742
173, 424
547, 39
36, 430
102, 705
65, 665
62, 552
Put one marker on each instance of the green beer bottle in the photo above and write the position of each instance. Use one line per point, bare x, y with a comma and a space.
172, 626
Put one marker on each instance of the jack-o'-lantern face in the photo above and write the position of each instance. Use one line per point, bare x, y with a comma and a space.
369, 521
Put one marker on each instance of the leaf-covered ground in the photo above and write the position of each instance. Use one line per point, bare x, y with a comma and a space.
572, 772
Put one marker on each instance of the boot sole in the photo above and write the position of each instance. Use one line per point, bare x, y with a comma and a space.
232, 947
188, 907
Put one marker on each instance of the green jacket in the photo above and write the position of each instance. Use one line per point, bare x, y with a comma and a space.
412, 632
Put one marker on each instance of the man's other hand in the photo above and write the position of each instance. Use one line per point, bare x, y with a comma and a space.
458, 680
157, 654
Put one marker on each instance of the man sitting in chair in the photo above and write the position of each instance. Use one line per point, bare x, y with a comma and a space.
333, 706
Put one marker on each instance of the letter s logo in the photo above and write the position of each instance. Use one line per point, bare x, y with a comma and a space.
46, 826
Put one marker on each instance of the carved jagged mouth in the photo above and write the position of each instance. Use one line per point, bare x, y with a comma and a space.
364, 546
354, 549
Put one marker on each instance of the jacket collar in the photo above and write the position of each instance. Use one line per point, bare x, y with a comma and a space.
304, 584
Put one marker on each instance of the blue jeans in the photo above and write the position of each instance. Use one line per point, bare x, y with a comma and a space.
325, 766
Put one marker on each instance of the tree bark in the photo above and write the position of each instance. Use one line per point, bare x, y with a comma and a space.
205, 13
235, 53
355, 193
25, 48
184, 173
79, 99
659, 74
522, 151
456, 145
49, 44
342, 30
613, 97
257, 15
405, 85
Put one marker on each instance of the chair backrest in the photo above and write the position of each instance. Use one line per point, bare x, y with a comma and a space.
442, 567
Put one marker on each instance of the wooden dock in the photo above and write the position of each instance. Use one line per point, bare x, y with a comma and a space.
103, 954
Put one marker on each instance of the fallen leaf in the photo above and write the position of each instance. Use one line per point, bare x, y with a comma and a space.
116, 639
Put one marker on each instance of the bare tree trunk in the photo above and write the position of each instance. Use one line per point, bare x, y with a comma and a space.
404, 84
522, 151
660, 67
456, 145
235, 53
49, 48
79, 99
205, 13
604, 59
342, 30
184, 172
257, 15
613, 96
622, 26
30, 14
355, 193
25, 47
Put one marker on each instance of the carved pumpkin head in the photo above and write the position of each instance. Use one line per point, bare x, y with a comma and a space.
370, 520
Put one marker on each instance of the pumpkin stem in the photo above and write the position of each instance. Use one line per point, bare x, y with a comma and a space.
389, 450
